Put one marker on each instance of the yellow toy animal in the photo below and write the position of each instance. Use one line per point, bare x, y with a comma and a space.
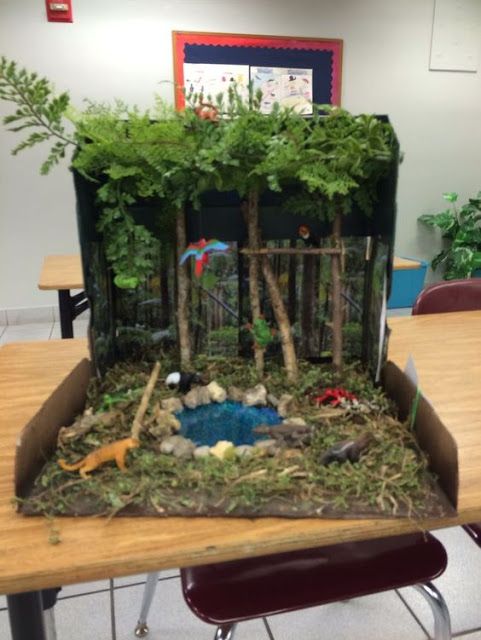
112, 451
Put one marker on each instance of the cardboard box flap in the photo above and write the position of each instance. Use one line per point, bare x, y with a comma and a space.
432, 435
38, 439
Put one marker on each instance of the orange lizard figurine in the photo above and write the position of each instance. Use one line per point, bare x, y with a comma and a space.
112, 451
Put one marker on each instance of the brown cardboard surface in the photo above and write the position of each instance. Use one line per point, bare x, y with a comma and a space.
38, 441
432, 435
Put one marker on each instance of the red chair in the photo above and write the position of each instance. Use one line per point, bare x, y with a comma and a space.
227, 593
449, 295
443, 297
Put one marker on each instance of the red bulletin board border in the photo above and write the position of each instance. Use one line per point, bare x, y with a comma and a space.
181, 38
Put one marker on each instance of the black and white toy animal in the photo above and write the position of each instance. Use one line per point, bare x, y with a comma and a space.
182, 381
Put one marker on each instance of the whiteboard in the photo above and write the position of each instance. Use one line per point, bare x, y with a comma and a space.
456, 35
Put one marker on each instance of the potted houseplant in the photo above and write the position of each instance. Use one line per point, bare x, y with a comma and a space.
461, 231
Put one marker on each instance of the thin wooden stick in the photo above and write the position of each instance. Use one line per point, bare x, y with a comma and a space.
288, 251
144, 403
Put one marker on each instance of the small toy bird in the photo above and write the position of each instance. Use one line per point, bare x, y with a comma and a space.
200, 250
334, 397
305, 234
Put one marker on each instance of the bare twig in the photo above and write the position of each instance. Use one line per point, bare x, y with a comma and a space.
144, 403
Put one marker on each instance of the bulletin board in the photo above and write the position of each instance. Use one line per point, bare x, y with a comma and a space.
292, 71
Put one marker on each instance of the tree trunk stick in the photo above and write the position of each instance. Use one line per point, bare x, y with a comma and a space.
144, 403
282, 319
295, 251
336, 302
251, 213
183, 294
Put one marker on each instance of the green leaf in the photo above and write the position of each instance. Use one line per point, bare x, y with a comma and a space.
126, 282
450, 196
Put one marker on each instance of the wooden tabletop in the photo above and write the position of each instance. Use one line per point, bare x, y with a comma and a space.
65, 272
447, 351
61, 272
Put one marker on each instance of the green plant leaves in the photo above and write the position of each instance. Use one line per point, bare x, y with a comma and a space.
461, 229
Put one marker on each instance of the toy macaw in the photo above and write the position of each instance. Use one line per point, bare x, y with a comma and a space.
200, 250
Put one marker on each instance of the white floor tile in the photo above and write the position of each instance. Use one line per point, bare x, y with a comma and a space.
22, 332
84, 617
82, 588
140, 578
3, 317
470, 636
31, 315
378, 617
459, 584
4, 626
2, 330
170, 618
80, 328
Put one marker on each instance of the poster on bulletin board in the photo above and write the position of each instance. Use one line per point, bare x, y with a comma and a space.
294, 72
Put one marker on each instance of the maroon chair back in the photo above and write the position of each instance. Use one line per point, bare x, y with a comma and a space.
449, 295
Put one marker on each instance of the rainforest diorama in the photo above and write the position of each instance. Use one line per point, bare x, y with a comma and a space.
237, 265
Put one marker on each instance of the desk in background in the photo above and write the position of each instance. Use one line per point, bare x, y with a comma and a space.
64, 274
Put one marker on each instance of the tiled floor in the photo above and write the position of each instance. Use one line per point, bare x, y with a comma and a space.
83, 611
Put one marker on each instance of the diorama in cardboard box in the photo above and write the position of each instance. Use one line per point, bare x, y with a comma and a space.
237, 266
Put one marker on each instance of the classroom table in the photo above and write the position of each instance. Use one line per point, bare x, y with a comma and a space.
446, 349
64, 274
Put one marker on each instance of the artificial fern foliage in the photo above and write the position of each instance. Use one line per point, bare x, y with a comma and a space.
329, 161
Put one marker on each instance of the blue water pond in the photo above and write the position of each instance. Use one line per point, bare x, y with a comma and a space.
228, 420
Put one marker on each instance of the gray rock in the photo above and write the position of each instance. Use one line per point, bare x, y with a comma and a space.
172, 404
235, 394
216, 392
179, 446
295, 422
272, 400
165, 423
202, 452
196, 397
244, 451
270, 446
287, 404
256, 396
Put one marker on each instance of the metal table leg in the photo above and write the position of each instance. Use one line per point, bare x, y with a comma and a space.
25, 611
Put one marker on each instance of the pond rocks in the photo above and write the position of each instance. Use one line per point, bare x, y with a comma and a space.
202, 452
223, 450
216, 392
196, 397
244, 451
165, 423
172, 404
256, 396
267, 447
294, 422
287, 404
272, 400
179, 446
235, 394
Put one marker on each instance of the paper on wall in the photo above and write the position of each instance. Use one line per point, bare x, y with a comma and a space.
289, 87
210, 80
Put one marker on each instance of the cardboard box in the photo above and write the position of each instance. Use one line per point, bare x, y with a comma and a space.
37, 442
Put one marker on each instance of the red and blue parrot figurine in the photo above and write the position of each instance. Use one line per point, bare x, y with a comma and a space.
200, 250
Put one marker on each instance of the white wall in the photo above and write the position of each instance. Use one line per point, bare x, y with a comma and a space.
122, 48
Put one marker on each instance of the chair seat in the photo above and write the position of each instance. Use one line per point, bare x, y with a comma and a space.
233, 591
